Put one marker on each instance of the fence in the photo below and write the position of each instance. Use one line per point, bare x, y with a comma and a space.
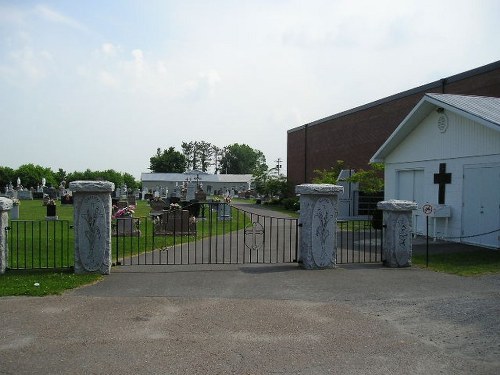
220, 234
358, 242
40, 244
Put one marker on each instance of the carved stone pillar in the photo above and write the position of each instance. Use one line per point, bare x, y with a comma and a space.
92, 220
5, 206
397, 246
318, 221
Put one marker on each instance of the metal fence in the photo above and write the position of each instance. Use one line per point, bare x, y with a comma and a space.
358, 241
40, 244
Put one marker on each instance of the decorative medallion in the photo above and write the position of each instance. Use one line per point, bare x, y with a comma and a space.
91, 242
442, 122
323, 237
402, 240
254, 236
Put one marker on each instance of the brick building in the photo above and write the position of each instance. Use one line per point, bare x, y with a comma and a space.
356, 134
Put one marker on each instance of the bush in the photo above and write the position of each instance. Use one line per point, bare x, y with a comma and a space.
291, 204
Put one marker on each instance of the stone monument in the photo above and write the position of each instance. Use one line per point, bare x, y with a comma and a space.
5, 206
318, 220
92, 220
397, 246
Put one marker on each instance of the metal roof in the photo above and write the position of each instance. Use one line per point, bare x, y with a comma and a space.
204, 177
481, 109
486, 108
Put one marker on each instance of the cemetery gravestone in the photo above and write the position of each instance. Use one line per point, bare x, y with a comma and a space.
190, 192
224, 211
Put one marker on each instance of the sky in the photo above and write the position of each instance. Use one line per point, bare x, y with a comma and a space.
102, 84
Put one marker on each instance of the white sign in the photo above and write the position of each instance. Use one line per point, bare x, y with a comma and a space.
427, 209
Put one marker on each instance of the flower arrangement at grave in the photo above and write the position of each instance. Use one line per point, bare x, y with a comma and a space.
51, 202
175, 207
16, 202
123, 212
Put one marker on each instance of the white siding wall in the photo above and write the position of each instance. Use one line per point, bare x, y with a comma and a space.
463, 138
454, 191
464, 143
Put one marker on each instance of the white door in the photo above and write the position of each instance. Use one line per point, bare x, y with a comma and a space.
481, 207
411, 188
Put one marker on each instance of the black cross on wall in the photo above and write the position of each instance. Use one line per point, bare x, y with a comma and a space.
442, 178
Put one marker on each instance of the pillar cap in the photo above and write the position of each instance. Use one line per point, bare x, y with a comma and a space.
5, 204
91, 186
319, 189
397, 205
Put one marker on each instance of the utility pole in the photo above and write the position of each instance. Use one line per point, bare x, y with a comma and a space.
278, 165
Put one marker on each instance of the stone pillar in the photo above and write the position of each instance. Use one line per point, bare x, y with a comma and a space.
92, 221
318, 220
5, 206
397, 246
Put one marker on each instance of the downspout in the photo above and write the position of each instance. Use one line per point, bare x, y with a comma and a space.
443, 84
305, 153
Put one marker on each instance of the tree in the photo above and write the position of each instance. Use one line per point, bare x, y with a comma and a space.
31, 175
242, 159
370, 181
7, 176
205, 151
168, 161
217, 154
329, 176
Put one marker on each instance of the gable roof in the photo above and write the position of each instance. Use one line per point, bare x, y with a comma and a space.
481, 109
204, 177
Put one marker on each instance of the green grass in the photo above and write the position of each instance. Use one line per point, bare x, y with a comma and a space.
471, 263
15, 283
42, 253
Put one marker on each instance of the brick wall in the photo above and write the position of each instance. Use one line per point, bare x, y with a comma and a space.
356, 135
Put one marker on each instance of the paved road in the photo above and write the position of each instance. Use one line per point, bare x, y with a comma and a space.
258, 319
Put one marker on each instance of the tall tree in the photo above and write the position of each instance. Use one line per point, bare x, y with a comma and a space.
205, 151
168, 161
7, 176
190, 154
217, 154
31, 175
242, 159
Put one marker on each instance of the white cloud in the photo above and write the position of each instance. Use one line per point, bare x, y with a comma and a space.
52, 15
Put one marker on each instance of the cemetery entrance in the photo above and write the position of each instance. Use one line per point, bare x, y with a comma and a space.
205, 233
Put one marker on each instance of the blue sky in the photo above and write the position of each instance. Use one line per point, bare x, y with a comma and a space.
103, 84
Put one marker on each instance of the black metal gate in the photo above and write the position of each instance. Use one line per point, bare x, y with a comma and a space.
358, 241
205, 233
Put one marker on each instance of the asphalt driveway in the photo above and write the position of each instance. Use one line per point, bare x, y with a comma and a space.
258, 319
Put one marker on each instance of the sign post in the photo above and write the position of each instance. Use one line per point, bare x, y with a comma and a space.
427, 209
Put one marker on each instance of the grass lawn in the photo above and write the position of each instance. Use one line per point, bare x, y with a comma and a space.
40, 246
42, 283
471, 263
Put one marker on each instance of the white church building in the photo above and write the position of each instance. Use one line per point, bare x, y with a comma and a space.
211, 183
446, 153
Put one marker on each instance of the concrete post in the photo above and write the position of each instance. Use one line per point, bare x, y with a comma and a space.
397, 247
92, 221
5, 206
318, 220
